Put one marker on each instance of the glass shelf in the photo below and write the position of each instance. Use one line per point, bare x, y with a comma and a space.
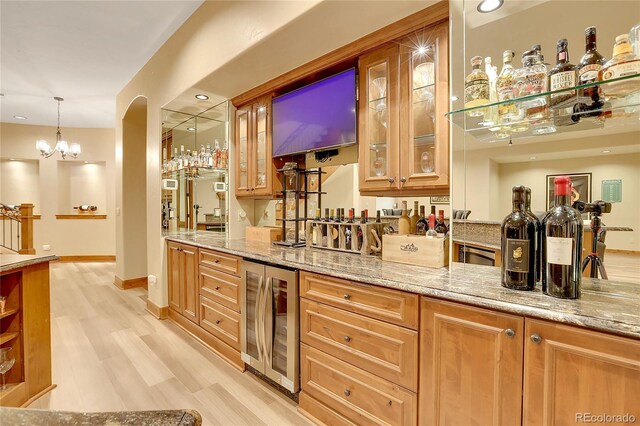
428, 139
426, 86
579, 114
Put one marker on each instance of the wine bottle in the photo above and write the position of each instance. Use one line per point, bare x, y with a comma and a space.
422, 225
441, 226
347, 237
433, 210
360, 234
562, 245
315, 229
378, 216
589, 66
352, 212
431, 233
518, 242
413, 220
404, 223
536, 223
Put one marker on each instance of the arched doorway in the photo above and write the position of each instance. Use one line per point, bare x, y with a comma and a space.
131, 196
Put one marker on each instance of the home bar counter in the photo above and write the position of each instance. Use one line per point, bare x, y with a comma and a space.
25, 325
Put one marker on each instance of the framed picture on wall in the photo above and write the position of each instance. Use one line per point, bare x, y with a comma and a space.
581, 188
442, 199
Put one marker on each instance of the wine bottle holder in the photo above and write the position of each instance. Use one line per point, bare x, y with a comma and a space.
334, 236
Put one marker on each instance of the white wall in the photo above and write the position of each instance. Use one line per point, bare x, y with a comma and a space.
82, 183
627, 167
66, 237
19, 182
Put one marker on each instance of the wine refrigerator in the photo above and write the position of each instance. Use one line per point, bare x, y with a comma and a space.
270, 328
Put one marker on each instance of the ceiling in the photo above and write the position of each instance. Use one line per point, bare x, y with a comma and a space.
82, 51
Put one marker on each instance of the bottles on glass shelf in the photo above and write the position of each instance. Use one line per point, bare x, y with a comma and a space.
561, 245
476, 88
518, 244
562, 76
589, 66
505, 89
623, 63
206, 157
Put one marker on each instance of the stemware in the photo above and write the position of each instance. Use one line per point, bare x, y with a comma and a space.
7, 359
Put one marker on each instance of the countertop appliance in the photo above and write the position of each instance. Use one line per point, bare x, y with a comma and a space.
270, 334
476, 255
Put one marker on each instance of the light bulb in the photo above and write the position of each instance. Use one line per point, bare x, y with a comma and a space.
43, 146
74, 149
62, 147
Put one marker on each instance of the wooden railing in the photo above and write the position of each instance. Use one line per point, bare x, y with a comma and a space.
17, 228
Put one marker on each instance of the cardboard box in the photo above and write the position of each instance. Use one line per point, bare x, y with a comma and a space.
265, 234
416, 250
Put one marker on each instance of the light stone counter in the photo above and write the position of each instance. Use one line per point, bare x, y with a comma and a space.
9, 262
605, 305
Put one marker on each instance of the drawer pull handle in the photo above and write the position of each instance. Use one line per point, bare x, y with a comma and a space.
346, 297
218, 287
535, 338
216, 261
347, 392
509, 332
218, 321
347, 339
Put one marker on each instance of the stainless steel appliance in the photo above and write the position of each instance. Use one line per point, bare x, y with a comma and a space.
477, 256
270, 328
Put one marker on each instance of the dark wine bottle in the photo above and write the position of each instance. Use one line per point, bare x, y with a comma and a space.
562, 245
422, 225
327, 215
518, 238
536, 222
378, 216
441, 226
360, 235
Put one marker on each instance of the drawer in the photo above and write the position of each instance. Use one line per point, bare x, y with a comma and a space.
222, 322
386, 350
220, 287
354, 393
385, 304
222, 262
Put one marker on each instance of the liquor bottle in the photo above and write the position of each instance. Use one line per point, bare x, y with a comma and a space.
441, 226
208, 157
422, 225
590, 65
404, 223
490, 117
505, 86
216, 154
378, 216
224, 156
562, 76
431, 233
414, 218
476, 88
360, 234
536, 223
562, 245
530, 80
518, 242
186, 162
366, 215
622, 64
181, 158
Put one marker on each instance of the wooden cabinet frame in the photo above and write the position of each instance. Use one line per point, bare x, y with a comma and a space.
184, 291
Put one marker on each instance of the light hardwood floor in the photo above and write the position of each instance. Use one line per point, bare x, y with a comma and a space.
110, 354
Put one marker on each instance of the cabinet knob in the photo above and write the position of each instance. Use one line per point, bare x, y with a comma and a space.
346, 297
347, 392
535, 338
403, 179
217, 287
217, 321
509, 332
347, 339
216, 261
391, 179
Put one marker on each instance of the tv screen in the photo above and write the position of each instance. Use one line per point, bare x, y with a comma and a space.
318, 116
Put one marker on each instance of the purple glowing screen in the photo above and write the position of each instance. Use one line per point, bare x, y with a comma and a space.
318, 116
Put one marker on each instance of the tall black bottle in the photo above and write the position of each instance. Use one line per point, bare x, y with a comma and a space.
518, 245
538, 225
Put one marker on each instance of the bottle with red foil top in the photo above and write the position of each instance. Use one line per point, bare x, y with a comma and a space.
562, 245
431, 233
441, 226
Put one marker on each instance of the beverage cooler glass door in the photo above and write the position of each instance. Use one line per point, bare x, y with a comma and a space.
253, 315
281, 327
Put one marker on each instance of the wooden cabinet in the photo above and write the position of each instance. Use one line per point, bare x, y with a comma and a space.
571, 372
403, 134
184, 297
470, 365
255, 173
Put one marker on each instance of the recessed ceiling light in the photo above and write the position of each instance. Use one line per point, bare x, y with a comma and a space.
191, 129
19, 117
487, 6
533, 157
12, 159
606, 151
454, 98
202, 97
87, 162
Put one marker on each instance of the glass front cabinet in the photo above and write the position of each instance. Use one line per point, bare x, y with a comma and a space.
403, 135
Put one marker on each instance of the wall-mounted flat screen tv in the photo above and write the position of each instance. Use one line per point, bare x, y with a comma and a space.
319, 116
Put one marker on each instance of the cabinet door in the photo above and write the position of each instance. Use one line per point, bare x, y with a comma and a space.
243, 160
424, 100
261, 147
173, 276
378, 120
190, 288
570, 373
471, 365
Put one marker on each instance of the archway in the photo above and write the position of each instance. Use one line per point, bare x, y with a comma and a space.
131, 196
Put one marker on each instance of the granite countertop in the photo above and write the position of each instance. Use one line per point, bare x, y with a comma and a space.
31, 417
479, 222
9, 262
605, 305
488, 242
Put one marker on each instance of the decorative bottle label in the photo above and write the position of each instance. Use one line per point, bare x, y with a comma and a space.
517, 255
589, 73
559, 250
476, 90
562, 80
622, 70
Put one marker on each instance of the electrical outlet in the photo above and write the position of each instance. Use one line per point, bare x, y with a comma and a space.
46, 247
152, 280
241, 215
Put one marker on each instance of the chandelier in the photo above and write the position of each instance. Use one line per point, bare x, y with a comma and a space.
61, 145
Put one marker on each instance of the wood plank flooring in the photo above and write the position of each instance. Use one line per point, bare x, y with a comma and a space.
109, 354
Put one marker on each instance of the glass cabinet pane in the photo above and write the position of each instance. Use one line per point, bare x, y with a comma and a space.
423, 97
377, 98
243, 151
279, 324
252, 289
261, 147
